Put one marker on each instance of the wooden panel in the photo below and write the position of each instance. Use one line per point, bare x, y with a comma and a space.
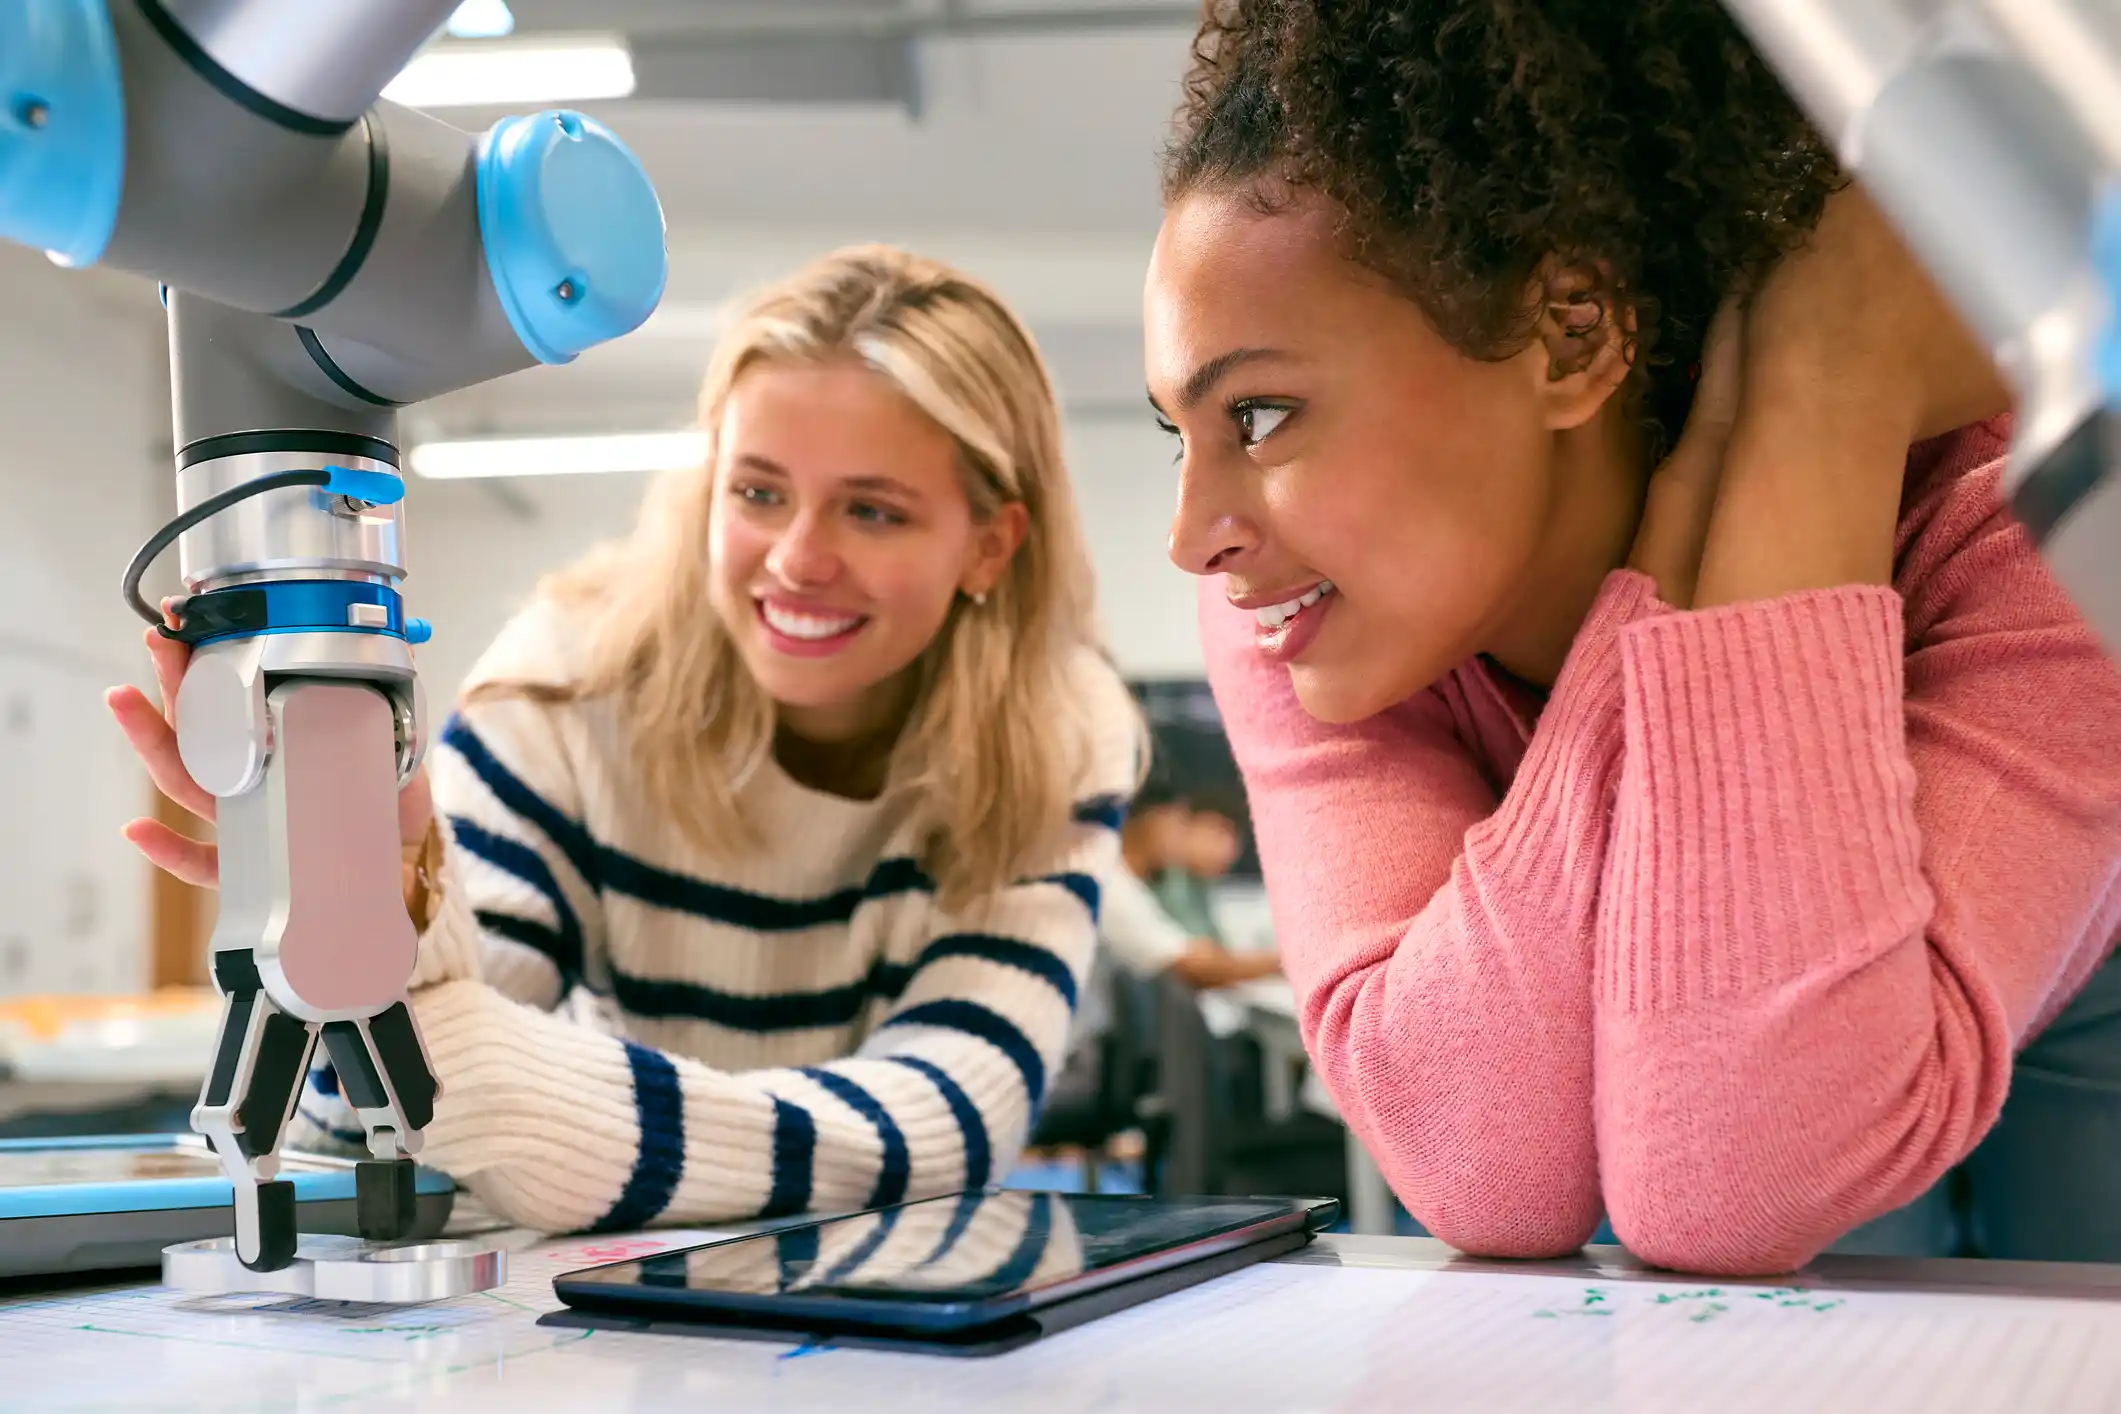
182, 915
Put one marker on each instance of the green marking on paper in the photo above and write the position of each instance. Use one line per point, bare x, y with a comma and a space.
1594, 1304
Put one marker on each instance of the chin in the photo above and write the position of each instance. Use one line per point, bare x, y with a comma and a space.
817, 685
1340, 693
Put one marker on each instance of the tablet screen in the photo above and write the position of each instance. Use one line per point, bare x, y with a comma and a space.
44, 1168
977, 1248
36, 1166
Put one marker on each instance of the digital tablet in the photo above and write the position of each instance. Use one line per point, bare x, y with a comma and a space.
976, 1273
94, 1204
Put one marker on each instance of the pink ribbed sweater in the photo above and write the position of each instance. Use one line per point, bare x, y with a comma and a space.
1734, 937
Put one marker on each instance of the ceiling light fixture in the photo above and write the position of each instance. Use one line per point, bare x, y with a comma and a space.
482, 19
560, 456
468, 73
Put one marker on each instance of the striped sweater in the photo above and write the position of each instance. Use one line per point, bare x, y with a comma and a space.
629, 1030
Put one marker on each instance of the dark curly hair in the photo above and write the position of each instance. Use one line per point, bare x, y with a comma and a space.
1469, 141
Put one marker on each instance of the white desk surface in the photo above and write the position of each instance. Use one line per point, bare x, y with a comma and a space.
1349, 1324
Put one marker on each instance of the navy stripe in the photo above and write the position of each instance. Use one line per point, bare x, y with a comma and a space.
990, 1026
1021, 1263
519, 861
795, 1252
665, 999
325, 1081
979, 1155
889, 980
1010, 952
540, 939
896, 1165
760, 913
968, 1205
1109, 811
775, 1011
1082, 886
603, 867
572, 840
355, 1137
794, 1146
659, 1104
851, 1264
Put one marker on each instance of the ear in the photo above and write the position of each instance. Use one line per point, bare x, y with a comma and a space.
994, 541
1585, 343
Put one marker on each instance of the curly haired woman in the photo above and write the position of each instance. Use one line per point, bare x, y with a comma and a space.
1685, 796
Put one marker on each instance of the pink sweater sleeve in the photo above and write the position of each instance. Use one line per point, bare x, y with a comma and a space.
1439, 941
1862, 850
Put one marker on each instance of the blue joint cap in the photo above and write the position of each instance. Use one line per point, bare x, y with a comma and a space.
378, 488
418, 631
62, 127
573, 232
2106, 256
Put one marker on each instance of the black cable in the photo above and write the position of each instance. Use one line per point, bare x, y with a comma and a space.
212, 506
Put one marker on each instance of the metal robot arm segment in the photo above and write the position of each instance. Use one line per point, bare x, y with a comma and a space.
326, 259
1990, 132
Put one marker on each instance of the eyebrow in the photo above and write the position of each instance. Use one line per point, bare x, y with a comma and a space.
1204, 378
885, 484
752, 461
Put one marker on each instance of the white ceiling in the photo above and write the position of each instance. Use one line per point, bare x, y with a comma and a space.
1029, 158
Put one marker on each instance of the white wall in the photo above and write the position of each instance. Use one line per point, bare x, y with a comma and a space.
1125, 482
474, 562
83, 471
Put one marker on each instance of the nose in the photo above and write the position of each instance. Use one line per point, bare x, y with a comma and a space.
1212, 530
804, 555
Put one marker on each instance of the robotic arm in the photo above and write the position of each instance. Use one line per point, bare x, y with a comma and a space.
1990, 132
326, 259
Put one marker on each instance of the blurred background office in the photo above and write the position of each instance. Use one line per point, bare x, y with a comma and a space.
1015, 138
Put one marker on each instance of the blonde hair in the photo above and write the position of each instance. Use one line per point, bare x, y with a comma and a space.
998, 736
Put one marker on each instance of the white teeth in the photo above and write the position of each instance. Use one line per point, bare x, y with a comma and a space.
1275, 615
805, 626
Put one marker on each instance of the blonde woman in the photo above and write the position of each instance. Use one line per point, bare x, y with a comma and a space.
758, 874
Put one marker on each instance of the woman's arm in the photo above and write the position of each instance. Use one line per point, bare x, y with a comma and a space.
1844, 893
561, 1126
518, 904
1862, 848
1439, 941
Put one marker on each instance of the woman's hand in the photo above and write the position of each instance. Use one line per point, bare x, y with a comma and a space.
1682, 491
153, 735
1849, 355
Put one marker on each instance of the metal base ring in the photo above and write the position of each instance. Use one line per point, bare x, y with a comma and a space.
341, 1269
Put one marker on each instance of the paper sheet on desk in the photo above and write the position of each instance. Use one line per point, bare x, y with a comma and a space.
150, 1348
1271, 1338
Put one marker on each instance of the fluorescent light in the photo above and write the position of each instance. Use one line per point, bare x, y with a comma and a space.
482, 19
560, 456
514, 71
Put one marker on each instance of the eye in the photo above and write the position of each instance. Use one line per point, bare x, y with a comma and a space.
1256, 421
753, 494
1170, 429
870, 513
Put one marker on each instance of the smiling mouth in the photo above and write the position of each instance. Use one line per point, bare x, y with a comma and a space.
1273, 616
804, 626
